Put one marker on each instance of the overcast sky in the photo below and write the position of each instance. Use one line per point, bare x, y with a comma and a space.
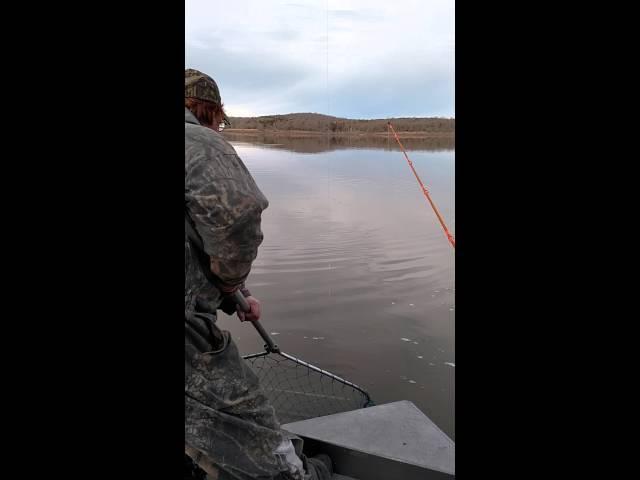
353, 59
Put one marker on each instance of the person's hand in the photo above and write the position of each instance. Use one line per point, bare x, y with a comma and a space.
253, 314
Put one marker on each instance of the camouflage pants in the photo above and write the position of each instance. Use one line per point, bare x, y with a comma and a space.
227, 417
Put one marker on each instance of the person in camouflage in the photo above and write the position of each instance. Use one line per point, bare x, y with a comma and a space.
231, 430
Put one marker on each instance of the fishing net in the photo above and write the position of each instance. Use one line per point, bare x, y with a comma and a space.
299, 391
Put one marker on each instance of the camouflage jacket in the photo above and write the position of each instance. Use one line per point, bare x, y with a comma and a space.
225, 206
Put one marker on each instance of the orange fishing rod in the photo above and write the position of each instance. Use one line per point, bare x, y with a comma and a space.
424, 189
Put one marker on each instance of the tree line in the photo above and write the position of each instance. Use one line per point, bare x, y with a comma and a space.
316, 122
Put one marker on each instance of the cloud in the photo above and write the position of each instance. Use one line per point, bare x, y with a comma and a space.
378, 60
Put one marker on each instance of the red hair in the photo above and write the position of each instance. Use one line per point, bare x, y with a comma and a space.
207, 113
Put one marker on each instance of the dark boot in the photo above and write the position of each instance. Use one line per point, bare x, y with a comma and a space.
320, 467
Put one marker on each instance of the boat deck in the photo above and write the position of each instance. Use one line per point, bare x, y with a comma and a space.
394, 440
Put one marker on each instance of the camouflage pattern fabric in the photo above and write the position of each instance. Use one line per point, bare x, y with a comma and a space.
225, 205
203, 87
228, 419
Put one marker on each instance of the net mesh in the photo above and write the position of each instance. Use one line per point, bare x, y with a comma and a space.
299, 391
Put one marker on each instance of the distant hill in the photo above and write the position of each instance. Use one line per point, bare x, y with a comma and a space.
315, 122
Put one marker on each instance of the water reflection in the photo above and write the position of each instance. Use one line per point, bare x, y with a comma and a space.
323, 143
355, 273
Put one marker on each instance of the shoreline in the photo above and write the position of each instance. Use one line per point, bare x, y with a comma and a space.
253, 132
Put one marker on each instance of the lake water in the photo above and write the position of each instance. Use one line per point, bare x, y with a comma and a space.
355, 274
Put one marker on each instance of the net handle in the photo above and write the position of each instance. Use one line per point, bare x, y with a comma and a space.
244, 306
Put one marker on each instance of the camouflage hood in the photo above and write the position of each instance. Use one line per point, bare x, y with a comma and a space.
190, 117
